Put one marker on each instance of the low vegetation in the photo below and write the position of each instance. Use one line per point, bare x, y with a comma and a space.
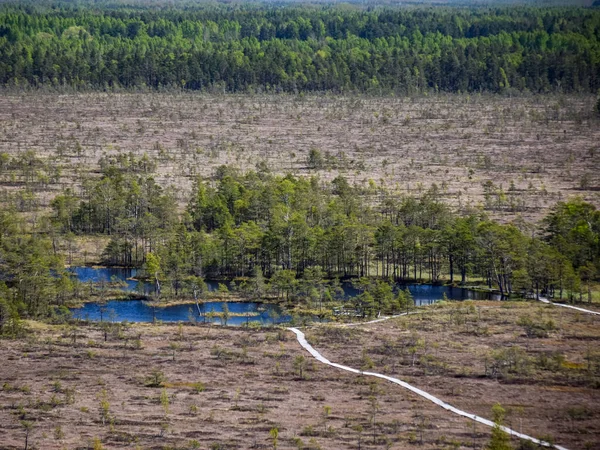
228, 388
238, 385
281, 151
476, 354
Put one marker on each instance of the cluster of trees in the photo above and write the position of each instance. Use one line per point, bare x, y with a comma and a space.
237, 223
32, 273
126, 202
240, 47
288, 235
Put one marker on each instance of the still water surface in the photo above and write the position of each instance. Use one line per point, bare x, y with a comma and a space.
139, 311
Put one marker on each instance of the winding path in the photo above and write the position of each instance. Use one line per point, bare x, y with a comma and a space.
589, 311
381, 319
304, 343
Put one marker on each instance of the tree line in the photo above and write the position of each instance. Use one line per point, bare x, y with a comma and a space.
239, 47
290, 236
238, 222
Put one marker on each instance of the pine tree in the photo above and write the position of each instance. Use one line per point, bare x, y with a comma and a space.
500, 439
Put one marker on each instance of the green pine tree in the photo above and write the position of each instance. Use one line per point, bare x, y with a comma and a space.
500, 439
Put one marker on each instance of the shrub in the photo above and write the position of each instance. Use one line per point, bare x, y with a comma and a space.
512, 360
500, 439
536, 329
315, 159
155, 379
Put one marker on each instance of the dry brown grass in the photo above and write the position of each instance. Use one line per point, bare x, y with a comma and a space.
543, 145
249, 386
550, 395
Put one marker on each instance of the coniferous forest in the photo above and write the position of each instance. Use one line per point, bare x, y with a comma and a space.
240, 47
391, 209
293, 231
297, 232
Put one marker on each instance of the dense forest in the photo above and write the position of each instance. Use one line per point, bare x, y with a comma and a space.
253, 47
275, 234
295, 232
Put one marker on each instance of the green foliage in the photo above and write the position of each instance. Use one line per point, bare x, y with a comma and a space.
153, 264
572, 228
500, 439
383, 296
377, 297
33, 275
365, 304
199, 387
294, 48
274, 433
535, 328
552, 361
10, 321
290, 238
97, 444
284, 282
507, 361
300, 364
120, 198
404, 300
225, 314
164, 401
104, 406
315, 159
155, 379
59, 433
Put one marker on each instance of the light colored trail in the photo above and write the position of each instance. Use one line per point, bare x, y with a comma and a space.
304, 343
381, 319
589, 311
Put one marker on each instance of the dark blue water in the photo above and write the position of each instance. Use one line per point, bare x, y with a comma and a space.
426, 294
423, 294
139, 311
123, 275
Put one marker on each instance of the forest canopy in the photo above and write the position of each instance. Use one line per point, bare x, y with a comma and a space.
296, 232
250, 224
257, 47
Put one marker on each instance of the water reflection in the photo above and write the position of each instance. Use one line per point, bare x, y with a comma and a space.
138, 311
423, 294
